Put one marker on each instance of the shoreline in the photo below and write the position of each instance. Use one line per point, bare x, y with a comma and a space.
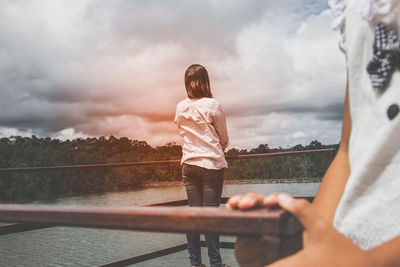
241, 181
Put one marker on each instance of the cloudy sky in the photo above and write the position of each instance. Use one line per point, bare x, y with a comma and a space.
97, 67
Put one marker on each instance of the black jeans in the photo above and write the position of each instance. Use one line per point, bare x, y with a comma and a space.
203, 188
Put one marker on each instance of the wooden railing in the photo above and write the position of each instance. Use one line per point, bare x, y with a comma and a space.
280, 231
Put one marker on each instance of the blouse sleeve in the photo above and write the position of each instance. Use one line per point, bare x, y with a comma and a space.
220, 127
177, 113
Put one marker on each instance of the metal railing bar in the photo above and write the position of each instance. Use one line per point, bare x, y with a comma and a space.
182, 202
87, 166
223, 244
13, 228
147, 163
277, 154
175, 203
146, 256
159, 253
160, 219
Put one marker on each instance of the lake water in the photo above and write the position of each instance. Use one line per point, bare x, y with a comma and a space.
71, 246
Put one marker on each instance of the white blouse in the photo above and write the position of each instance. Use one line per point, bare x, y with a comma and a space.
369, 210
202, 125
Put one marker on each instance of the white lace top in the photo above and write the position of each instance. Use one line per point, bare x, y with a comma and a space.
371, 10
369, 210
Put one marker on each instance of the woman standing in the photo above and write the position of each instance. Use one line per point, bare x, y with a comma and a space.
202, 125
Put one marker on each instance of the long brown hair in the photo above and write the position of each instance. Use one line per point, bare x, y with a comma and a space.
197, 82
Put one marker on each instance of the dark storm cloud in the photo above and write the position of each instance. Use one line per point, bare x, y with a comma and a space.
326, 112
198, 24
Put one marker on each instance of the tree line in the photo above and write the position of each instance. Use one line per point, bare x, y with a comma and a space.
17, 151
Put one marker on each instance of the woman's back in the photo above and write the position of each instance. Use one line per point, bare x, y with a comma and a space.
202, 125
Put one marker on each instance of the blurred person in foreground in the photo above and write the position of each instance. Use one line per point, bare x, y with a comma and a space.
354, 219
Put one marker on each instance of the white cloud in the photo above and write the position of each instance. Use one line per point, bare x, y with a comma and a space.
69, 133
5, 131
277, 129
289, 85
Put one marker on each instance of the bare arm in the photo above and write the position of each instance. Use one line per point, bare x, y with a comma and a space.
335, 179
387, 254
